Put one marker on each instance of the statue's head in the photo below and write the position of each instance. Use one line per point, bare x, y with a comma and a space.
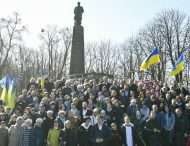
78, 3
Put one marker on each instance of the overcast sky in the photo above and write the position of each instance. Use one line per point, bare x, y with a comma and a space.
103, 19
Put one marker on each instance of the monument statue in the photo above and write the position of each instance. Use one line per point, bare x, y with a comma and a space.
78, 14
77, 62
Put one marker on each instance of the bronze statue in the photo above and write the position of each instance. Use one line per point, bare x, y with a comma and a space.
78, 14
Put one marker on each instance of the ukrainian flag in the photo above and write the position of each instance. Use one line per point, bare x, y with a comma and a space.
42, 83
152, 59
8, 93
3, 82
179, 66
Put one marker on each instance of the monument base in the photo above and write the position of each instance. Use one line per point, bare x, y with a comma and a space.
77, 64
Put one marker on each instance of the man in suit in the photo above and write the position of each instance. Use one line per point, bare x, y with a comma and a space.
127, 132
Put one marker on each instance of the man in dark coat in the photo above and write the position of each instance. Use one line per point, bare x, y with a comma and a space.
152, 129
100, 133
47, 124
132, 109
139, 130
84, 132
127, 133
115, 139
69, 135
180, 128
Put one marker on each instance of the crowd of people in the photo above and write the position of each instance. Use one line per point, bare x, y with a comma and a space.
98, 112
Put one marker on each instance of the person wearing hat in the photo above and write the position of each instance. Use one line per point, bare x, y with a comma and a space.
3, 134
84, 132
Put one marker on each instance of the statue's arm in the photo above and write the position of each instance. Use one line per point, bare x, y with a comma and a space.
75, 11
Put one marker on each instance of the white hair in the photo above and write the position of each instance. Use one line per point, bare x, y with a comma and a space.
28, 122
133, 101
49, 112
67, 122
39, 120
61, 112
19, 118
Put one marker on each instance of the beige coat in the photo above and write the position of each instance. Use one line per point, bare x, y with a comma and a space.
15, 135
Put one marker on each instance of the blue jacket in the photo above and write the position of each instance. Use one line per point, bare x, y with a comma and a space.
38, 136
168, 121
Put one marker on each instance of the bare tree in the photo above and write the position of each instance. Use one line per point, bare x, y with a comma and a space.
11, 30
66, 35
102, 57
174, 27
50, 37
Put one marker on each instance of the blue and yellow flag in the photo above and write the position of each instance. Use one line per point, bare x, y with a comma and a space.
152, 59
3, 82
8, 92
42, 83
179, 66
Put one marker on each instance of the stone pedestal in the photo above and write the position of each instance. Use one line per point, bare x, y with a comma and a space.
77, 65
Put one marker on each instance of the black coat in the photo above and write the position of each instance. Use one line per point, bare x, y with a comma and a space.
104, 133
131, 111
84, 136
181, 127
47, 125
115, 139
117, 115
69, 137
152, 137
139, 132
123, 135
